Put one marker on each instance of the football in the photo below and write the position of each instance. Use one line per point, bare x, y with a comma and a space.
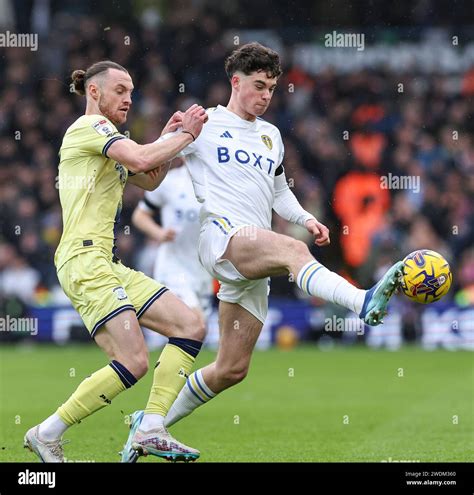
426, 276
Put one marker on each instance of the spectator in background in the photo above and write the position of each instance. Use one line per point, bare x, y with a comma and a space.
409, 133
16, 277
361, 203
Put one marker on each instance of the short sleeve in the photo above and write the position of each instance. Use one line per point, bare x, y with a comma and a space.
99, 134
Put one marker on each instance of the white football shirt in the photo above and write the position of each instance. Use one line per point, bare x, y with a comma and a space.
177, 261
232, 165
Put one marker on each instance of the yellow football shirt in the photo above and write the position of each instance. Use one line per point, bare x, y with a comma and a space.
90, 188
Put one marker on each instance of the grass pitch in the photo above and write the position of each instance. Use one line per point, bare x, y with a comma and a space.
342, 405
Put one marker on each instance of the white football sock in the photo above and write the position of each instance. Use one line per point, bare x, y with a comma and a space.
151, 421
316, 280
195, 393
52, 428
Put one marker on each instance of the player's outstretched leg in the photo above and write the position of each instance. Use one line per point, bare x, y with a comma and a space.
269, 254
377, 298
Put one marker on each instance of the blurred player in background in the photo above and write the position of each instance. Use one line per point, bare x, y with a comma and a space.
110, 297
236, 167
177, 265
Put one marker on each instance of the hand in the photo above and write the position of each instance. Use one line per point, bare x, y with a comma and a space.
320, 232
173, 123
166, 235
155, 172
193, 120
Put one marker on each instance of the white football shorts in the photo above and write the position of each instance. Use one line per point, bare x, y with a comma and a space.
252, 295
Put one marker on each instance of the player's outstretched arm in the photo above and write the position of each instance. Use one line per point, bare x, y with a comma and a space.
140, 158
143, 220
287, 206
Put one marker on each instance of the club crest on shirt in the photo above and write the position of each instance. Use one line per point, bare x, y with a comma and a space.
267, 141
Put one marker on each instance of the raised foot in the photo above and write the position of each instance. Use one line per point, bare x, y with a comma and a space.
377, 298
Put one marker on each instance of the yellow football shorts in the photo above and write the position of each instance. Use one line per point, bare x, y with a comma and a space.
100, 289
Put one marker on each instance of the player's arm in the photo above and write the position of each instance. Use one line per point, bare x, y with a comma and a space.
150, 180
287, 206
142, 219
141, 158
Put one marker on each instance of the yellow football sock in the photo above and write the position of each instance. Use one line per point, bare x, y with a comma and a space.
95, 392
171, 372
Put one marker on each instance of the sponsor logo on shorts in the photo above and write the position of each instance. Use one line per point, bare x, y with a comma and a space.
120, 293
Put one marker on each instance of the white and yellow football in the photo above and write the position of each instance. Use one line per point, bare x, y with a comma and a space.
426, 276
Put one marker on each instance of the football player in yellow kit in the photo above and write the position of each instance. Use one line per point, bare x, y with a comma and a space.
96, 162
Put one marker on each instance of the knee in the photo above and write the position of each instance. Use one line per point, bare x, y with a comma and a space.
137, 364
296, 254
191, 326
233, 374
298, 247
141, 367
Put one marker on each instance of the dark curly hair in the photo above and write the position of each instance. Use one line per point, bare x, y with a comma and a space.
253, 57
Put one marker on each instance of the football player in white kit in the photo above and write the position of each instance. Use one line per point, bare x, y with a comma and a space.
177, 265
238, 177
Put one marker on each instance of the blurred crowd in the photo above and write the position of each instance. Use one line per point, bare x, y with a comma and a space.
347, 140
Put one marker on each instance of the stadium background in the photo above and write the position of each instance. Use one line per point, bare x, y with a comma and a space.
401, 107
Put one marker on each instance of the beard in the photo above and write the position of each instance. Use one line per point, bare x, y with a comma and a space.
107, 112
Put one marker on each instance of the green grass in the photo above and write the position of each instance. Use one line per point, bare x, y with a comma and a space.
271, 416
